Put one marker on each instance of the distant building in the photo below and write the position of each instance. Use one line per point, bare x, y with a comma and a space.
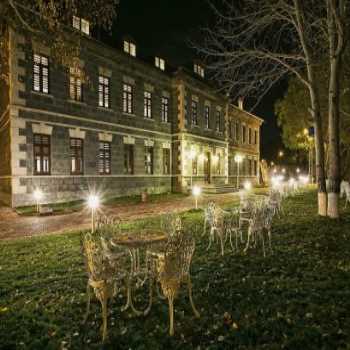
131, 127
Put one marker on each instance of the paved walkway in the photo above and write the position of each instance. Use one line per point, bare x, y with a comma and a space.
15, 226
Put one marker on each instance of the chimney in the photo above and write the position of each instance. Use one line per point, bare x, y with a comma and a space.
240, 102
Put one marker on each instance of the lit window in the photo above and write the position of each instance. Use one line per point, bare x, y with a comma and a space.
75, 84
128, 159
218, 121
165, 109
103, 91
147, 104
149, 160
244, 132
41, 74
81, 24
250, 136
104, 158
198, 69
42, 154
128, 97
194, 112
166, 161
130, 48
255, 137
237, 132
207, 117
160, 63
77, 156
195, 166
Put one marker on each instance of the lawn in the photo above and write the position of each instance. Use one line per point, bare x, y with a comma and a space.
296, 298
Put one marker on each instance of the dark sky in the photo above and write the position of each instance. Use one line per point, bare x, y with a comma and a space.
165, 27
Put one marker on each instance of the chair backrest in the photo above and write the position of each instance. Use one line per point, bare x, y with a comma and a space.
171, 224
108, 225
209, 212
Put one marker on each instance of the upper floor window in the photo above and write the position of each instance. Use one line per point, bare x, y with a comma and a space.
230, 129
218, 121
186, 111
81, 24
244, 131
218, 164
207, 117
149, 160
194, 112
160, 63
165, 109
166, 161
255, 137
75, 84
42, 154
104, 158
147, 104
250, 136
103, 91
130, 48
77, 156
195, 166
128, 159
198, 69
237, 131
128, 96
41, 74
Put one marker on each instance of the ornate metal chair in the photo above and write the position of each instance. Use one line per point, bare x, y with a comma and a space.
173, 269
171, 223
100, 274
232, 227
208, 216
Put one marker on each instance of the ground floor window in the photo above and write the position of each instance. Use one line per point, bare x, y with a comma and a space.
218, 164
166, 161
194, 166
42, 154
77, 156
104, 159
128, 159
149, 160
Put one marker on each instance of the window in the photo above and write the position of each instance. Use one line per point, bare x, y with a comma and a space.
149, 160
186, 112
166, 161
244, 131
194, 112
207, 117
198, 69
81, 24
255, 137
237, 132
75, 85
194, 166
147, 104
103, 91
160, 63
104, 161
255, 168
42, 156
128, 159
165, 109
218, 121
128, 104
218, 164
130, 48
77, 156
41, 74
250, 136
230, 129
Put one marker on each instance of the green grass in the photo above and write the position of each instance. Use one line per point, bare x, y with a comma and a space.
296, 298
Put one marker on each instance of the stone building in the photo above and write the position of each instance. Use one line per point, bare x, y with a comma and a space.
114, 124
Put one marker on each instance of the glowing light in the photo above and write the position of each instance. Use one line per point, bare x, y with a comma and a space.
284, 170
280, 154
192, 154
202, 157
93, 202
247, 185
298, 170
238, 158
196, 191
306, 132
275, 171
38, 194
304, 179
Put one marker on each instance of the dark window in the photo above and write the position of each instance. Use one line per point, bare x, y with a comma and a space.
237, 132
207, 117
218, 121
165, 109
42, 156
186, 112
147, 104
128, 103
250, 136
244, 131
166, 161
104, 159
255, 167
149, 160
194, 112
230, 129
75, 85
194, 166
128, 159
103, 91
41, 74
77, 156
255, 137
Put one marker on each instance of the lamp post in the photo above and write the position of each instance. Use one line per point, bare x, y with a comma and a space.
38, 195
247, 186
238, 159
93, 203
191, 157
196, 191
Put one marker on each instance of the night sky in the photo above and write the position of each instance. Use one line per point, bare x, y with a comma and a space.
165, 27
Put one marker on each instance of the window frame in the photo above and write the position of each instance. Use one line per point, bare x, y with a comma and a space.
218, 127
41, 67
74, 154
149, 163
165, 102
207, 116
128, 98
129, 159
106, 157
104, 90
41, 154
75, 83
194, 112
147, 104
166, 161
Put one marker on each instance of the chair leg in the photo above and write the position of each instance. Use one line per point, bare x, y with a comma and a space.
269, 233
189, 284
248, 240
171, 314
88, 293
204, 227
211, 235
104, 313
221, 243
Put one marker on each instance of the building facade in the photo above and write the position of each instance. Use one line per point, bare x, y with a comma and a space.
114, 124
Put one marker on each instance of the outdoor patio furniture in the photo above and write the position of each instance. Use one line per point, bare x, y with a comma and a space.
232, 228
171, 223
208, 216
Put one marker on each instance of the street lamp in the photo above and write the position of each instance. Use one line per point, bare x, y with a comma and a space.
247, 185
284, 170
93, 203
238, 159
38, 195
280, 154
196, 191
298, 170
191, 156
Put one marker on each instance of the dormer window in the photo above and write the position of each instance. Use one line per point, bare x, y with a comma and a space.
160, 63
198, 69
81, 24
130, 48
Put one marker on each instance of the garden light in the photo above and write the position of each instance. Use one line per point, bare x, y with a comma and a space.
238, 159
93, 203
298, 170
196, 191
38, 195
284, 170
247, 185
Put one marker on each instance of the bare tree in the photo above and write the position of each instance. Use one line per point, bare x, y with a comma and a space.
49, 20
256, 43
